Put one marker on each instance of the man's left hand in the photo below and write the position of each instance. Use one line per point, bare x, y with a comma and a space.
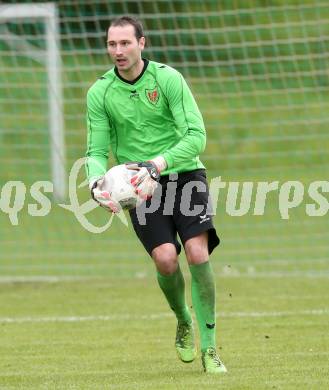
146, 179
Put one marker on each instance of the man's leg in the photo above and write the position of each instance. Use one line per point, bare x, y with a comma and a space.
171, 282
203, 288
203, 298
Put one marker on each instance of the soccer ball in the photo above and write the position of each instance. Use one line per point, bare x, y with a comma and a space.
117, 183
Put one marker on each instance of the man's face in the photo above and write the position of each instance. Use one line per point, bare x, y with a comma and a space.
123, 47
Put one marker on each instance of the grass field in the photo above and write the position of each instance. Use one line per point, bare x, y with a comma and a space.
110, 331
83, 311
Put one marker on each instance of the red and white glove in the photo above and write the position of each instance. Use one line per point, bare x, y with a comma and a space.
147, 176
103, 197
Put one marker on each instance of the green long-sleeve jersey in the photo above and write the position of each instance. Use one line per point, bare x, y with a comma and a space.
154, 115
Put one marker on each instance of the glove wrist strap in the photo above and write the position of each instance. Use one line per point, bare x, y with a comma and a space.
160, 163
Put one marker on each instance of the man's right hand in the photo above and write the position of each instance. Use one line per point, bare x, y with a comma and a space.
103, 197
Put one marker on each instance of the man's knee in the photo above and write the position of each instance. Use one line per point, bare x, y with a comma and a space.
165, 258
196, 249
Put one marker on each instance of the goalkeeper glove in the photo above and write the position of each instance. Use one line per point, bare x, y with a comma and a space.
103, 197
147, 177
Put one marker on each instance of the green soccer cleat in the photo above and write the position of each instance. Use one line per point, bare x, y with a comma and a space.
184, 343
211, 362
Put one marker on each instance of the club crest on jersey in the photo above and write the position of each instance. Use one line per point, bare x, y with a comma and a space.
152, 95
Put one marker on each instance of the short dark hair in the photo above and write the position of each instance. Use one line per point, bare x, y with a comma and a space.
126, 20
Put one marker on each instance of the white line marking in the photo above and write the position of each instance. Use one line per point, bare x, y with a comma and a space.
130, 264
225, 272
250, 272
125, 317
42, 279
234, 274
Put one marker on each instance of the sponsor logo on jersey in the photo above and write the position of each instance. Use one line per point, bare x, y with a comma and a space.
152, 95
134, 94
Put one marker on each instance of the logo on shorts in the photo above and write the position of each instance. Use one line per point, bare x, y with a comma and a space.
152, 95
204, 218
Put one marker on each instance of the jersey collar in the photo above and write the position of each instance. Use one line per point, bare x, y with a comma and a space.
146, 62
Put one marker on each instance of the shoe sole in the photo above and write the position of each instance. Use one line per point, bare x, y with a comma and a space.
186, 361
223, 370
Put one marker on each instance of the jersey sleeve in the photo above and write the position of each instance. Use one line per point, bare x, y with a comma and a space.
98, 135
188, 121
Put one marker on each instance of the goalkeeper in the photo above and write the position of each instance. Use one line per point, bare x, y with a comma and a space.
144, 111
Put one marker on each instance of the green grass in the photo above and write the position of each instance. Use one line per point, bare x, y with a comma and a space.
271, 330
272, 301
265, 121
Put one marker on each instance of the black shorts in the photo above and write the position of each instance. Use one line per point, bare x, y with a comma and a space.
183, 210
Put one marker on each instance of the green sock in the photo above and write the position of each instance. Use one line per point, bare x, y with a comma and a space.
203, 298
173, 287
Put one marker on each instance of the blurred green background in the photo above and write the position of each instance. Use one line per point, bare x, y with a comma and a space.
259, 72
81, 310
